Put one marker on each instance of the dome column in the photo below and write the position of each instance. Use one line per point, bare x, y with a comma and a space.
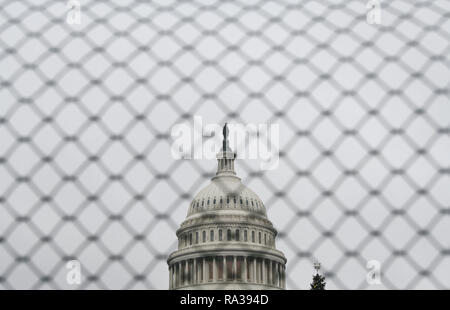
180, 276
170, 277
270, 272
224, 269
279, 275
214, 263
204, 270
234, 272
177, 277
186, 280
199, 271
244, 278
175, 270
276, 274
263, 273
174, 275
255, 278
194, 272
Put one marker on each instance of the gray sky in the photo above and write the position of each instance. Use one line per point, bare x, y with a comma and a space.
363, 112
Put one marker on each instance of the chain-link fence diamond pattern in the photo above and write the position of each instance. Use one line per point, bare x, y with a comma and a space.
86, 112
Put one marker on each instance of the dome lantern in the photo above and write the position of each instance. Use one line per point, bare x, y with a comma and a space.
225, 157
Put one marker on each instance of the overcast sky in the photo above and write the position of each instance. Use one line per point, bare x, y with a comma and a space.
363, 114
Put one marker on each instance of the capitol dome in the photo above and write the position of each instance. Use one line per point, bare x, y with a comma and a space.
226, 240
226, 193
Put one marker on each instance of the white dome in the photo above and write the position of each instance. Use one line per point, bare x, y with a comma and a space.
226, 193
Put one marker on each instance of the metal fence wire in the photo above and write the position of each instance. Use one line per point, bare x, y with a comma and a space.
86, 112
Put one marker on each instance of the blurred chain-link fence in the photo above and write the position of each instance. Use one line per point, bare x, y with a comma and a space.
86, 112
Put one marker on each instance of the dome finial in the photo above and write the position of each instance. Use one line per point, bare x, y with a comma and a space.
226, 156
225, 131
225, 137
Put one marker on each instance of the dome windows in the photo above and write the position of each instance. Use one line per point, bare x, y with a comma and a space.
195, 237
246, 203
